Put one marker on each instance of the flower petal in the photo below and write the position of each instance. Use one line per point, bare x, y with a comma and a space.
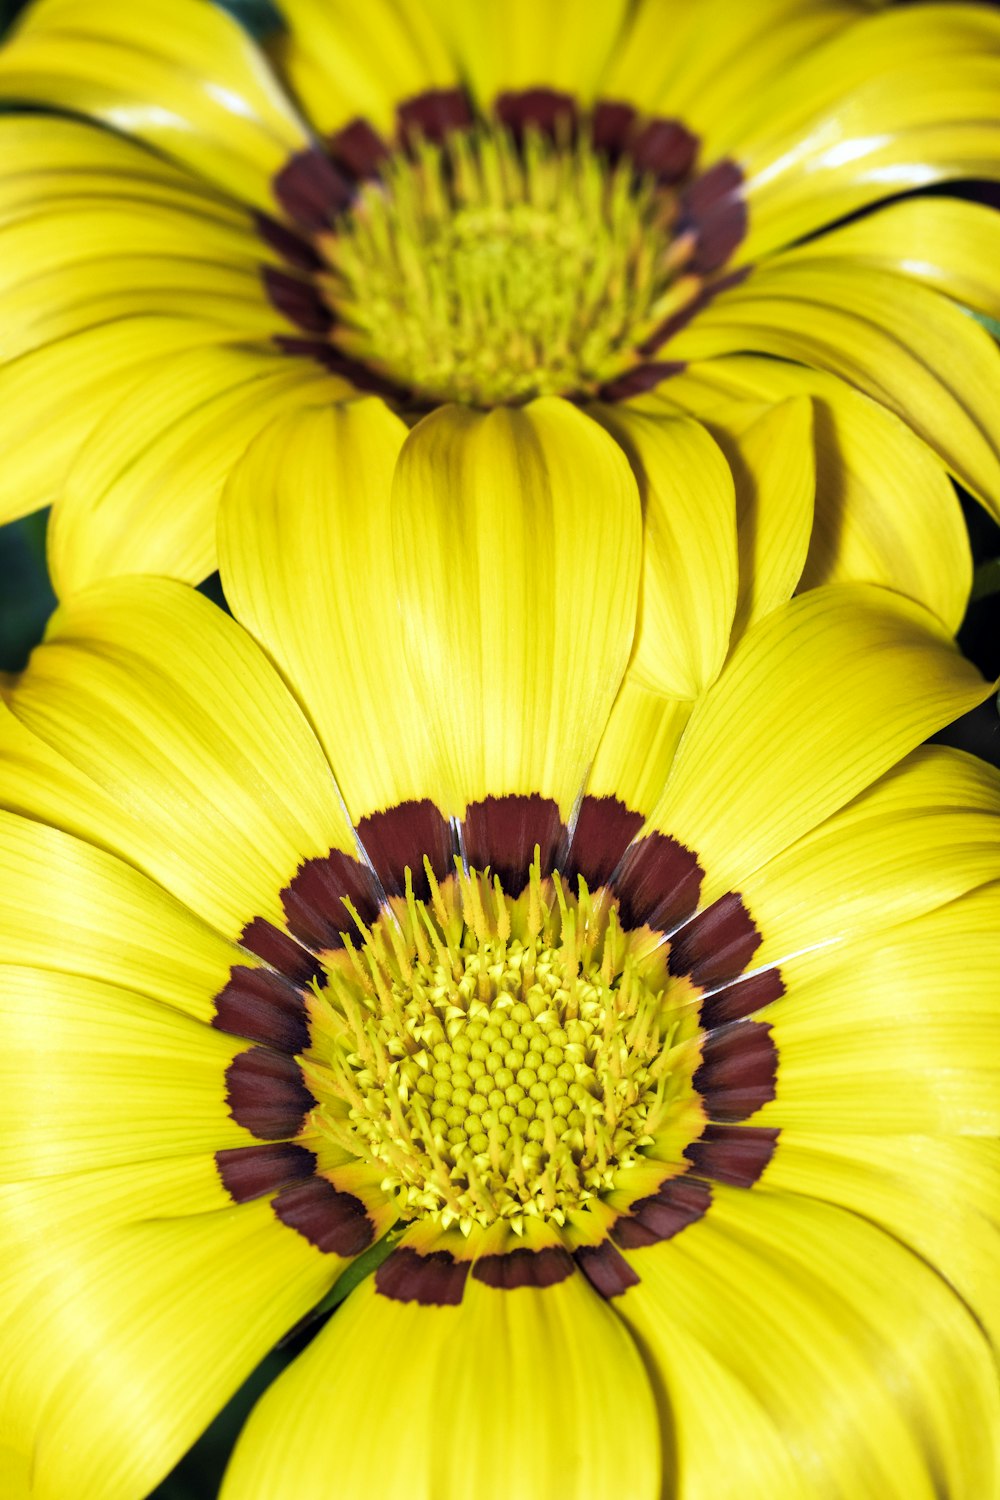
689, 575
926, 833
895, 1034
903, 344
218, 108
944, 242
524, 1392
132, 1306
876, 1375
96, 1076
173, 711
516, 660
143, 493
346, 62
885, 509
305, 548
819, 699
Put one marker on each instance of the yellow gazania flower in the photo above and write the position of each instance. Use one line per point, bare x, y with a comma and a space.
491, 201
679, 1091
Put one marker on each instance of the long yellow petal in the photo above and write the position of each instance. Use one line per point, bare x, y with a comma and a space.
305, 544
926, 833
144, 492
516, 661
97, 1076
885, 510
70, 906
179, 75
61, 391
819, 699
903, 344
510, 45
553, 1366
689, 572
638, 745
174, 712
940, 1196
950, 245
900, 1033
124, 1334
876, 1374
346, 61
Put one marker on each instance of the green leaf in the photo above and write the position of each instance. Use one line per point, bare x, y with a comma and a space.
260, 17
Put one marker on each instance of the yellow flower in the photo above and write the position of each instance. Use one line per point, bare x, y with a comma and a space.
492, 201
651, 1043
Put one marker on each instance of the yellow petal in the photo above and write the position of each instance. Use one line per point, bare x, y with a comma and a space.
305, 547
940, 1196
345, 61
143, 493
772, 458
516, 659
901, 343
125, 1333
173, 711
924, 834
96, 1076
638, 746
530, 1392
899, 1033
948, 244
510, 45
689, 573
69, 906
875, 1373
819, 699
885, 510
61, 391
179, 75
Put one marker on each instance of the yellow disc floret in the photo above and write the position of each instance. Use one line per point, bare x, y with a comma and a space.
490, 270
495, 1058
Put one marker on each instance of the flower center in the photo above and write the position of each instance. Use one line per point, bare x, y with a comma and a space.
492, 268
496, 1057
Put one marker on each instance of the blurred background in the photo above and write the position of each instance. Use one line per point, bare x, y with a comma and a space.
26, 600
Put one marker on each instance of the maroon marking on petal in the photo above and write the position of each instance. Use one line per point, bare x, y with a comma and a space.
266, 1094
280, 951
311, 190
741, 998
502, 832
642, 378
294, 249
657, 883
737, 1072
523, 1267
611, 125
336, 1223
435, 1280
607, 1271
664, 148
251, 1171
678, 1203
263, 1007
545, 110
314, 899
715, 208
331, 358
604, 829
297, 300
359, 149
433, 115
736, 1154
717, 944
400, 837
